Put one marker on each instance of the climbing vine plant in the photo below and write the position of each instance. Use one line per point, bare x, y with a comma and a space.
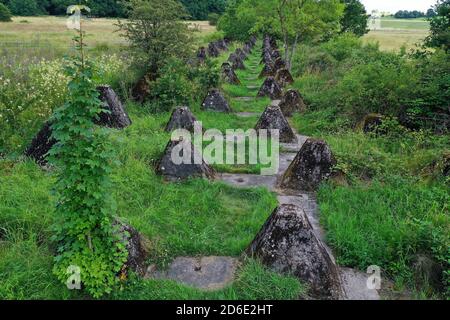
85, 233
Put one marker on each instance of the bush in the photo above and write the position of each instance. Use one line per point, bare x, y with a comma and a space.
173, 88
5, 14
376, 87
213, 18
30, 93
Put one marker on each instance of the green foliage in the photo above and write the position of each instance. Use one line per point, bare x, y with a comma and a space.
428, 107
181, 84
200, 9
24, 7
293, 21
440, 26
405, 14
99, 8
357, 79
156, 33
84, 232
173, 88
30, 91
238, 20
355, 18
206, 76
5, 14
213, 18
386, 224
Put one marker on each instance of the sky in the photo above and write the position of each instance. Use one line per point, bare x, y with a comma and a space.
393, 6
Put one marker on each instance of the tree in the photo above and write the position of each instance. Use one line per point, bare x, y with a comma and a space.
306, 20
199, 9
405, 14
239, 19
292, 21
24, 7
431, 13
5, 14
355, 18
156, 33
440, 27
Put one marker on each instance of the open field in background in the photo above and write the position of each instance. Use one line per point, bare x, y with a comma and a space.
396, 33
394, 39
407, 24
49, 37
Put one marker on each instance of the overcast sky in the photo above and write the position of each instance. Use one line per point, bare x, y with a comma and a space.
395, 5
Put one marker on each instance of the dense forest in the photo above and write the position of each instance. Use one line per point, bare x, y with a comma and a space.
197, 9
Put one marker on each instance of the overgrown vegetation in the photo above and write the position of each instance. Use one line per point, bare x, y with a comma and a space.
156, 33
5, 14
85, 235
387, 204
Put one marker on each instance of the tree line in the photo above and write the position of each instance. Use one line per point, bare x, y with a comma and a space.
197, 9
405, 14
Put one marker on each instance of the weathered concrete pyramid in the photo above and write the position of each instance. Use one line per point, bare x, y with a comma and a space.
181, 118
236, 61
276, 54
247, 48
313, 164
41, 145
222, 45
215, 101
175, 169
270, 88
291, 102
137, 245
229, 75
284, 77
279, 64
267, 71
266, 58
213, 51
287, 244
116, 117
272, 118
201, 54
241, 54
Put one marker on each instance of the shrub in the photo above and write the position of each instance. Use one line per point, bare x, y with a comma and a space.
173, 88
213, 18
85, 236
5, 14
30, 93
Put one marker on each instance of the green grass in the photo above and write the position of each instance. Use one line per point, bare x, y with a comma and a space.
387, 223
394, 40
393, 203
178, 220
48, 37
254, 282
405, 24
